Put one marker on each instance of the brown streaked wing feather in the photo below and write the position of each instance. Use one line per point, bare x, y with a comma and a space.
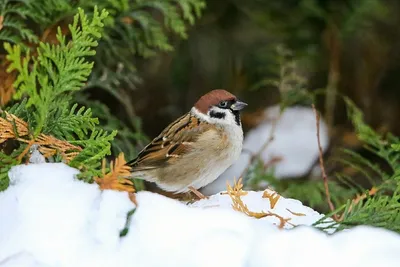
174, 141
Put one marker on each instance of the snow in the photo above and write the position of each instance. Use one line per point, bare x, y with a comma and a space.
295, 144
50, 219
36, 156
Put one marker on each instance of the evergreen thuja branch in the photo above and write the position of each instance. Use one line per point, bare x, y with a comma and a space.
13, 28
379, 205
374, 142
58, 70
138, 29
46, 84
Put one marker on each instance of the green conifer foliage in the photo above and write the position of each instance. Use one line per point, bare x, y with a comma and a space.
46, 84
378, 206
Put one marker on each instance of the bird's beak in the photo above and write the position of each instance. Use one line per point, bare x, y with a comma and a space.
238, 105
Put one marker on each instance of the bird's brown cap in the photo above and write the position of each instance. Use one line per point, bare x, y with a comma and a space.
212, 98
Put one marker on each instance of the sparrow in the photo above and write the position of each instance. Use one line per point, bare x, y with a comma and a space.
196, 148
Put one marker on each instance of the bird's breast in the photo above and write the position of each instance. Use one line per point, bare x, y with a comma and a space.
222, 151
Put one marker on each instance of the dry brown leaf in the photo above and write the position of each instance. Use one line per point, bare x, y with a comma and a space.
273, 198
115, 179
1, 22
235, 194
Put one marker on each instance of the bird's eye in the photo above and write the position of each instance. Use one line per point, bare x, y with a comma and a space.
223, 104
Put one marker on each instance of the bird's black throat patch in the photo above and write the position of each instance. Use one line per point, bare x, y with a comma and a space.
236, 113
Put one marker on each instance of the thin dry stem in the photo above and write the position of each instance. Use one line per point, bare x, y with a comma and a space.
321, 164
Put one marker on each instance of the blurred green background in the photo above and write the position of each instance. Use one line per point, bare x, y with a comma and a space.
345, 47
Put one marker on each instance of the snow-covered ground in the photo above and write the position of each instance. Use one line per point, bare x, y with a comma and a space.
48, 218
294, 144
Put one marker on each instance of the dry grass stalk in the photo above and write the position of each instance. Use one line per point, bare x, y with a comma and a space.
115, 178
235, 194
13, 127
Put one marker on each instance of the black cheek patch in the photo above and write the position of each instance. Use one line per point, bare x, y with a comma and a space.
217, 115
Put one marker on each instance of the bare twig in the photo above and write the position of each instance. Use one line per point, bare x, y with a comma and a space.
321, 164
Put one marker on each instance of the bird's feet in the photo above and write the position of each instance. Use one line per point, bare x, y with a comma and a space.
197, 193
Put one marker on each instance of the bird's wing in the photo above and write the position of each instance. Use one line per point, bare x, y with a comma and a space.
171, 144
